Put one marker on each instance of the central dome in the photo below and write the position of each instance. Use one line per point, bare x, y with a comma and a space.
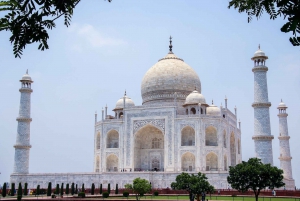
168, 79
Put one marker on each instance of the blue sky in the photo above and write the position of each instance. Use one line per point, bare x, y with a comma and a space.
109, 47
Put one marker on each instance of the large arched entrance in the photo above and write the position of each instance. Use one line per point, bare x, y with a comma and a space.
149, 149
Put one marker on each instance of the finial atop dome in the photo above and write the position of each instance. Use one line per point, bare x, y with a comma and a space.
259, 46
125, 93
170, 46
212, 101
27, 71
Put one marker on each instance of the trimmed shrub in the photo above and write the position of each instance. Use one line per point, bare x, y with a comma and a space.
57, 189
108, 188
155, 193
19, 192
93, 189
49, 189
82, 188
67, 189
100, 190
12, 190
117, 189
62, 189
53, 196
38, 190
4, 190
26, 189
81, 194
126, 194
105, 194
233, 195
72, 189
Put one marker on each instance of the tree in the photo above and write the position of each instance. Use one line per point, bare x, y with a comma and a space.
67, 189
195, 185
117, 189
49, 189
82, 188
62, 189
254, 175
12, 189
4, 190
139, 187
57, 189
20, 192
29, 21
289, 9
108, 188
72, 189
100, 190
37, 190
93, 189
25, 189
76, 189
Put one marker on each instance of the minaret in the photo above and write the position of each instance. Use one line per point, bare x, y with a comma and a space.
284, 146
262, 132
22, 146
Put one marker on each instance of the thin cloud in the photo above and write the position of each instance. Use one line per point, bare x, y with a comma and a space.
88, 36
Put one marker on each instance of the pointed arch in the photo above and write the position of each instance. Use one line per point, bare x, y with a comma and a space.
211, 136
112, 163
188, 162
149, 149
97, 163
239, 146
211, 162
187, 136
224, 139
112, 139
225, 163
98, 140
232, 149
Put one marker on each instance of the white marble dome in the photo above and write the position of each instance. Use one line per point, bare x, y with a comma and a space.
259, 53
213, 110
128, 103
168, 76
194, 98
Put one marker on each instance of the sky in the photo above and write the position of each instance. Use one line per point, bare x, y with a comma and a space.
110, 46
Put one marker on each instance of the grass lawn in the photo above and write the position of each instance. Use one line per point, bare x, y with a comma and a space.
184, 197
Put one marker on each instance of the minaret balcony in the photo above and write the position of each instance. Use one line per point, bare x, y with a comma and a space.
256, 104
263, 137
24, 119
285, 158
18, 146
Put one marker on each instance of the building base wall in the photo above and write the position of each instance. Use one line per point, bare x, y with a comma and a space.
157, 179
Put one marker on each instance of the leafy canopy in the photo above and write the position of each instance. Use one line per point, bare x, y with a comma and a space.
254, 175
139, 187
30, 20
194, 184
289, 9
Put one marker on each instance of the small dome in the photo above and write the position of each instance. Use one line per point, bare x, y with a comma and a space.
282, 105
128, 103
194, 98
26, 77
213, 110
259, 53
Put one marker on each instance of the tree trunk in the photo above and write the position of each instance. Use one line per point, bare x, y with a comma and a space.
198, 197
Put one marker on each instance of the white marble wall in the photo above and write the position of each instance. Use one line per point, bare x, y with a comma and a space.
158, 180
262, 132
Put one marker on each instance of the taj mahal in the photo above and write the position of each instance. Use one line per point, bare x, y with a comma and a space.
176, 129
